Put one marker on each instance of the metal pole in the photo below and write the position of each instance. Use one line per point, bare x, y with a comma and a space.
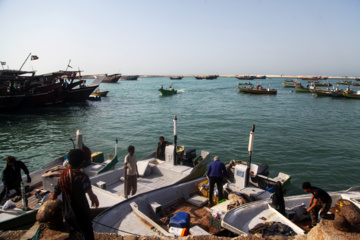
24, 62
68, 65
175, 138
250, 149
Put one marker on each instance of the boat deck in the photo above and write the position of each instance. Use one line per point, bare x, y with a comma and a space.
200, 216
144, 184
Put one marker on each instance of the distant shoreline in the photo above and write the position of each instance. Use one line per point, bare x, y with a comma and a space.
234, 76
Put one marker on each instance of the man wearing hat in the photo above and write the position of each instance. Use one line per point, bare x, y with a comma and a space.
216, 173
11, 176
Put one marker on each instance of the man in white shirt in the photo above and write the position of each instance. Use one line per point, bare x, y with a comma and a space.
131, 170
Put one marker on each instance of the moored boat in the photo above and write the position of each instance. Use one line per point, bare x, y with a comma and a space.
257, 90
337, 92
288, 84
147, 210
176, 78
300, 88
323, 92
207, 77
243, 219
245, 83
129, 77
43, 182
344, 82
97, 92
112, 78
352, 94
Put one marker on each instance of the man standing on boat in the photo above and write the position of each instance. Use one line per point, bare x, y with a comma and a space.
160, 150
11, 177
320, 200
216, 174
131, 170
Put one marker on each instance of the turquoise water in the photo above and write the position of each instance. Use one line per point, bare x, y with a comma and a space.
312, 138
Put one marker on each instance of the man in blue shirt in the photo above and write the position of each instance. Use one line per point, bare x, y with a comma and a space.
216, 173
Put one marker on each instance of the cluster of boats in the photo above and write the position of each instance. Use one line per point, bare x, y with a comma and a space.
169, 187
173, 183
20, 89
314, 88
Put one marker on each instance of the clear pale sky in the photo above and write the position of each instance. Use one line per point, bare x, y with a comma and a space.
308, 37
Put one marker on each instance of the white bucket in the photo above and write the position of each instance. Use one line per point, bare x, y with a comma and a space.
181, 232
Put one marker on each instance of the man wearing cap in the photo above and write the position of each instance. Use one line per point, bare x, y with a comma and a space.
216, 173
11, 176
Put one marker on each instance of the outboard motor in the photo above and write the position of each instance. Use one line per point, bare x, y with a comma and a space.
263, 170
190, 155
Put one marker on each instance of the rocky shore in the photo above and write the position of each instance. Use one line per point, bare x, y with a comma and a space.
324, 230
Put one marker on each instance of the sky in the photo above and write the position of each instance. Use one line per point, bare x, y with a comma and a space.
148, 37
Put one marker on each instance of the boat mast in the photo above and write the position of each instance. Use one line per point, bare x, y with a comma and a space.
25, 61
250, 149
68, 65
175, 138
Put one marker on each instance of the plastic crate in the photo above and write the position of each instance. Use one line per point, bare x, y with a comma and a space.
206, 190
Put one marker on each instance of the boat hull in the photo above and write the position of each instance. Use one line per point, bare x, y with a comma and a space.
165, 92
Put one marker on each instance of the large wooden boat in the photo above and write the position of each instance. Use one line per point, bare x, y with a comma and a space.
39, 90
206, 77
250, 77
113, 78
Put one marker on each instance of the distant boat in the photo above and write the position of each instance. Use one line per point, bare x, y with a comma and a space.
176, 78
314, 78
322, 92
257, 90
344, 82
250, 77
207, 77
113, 78
300, 88
352, 94
129, 77
245, 83
288, 84
337, 92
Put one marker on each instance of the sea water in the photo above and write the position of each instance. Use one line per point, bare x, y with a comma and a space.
312, 138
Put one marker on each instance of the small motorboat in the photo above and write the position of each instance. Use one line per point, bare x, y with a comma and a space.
97, 92
167, 92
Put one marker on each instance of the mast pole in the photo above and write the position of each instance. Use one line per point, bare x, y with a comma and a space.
250, 149
68, 65
175, 138
25, 61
